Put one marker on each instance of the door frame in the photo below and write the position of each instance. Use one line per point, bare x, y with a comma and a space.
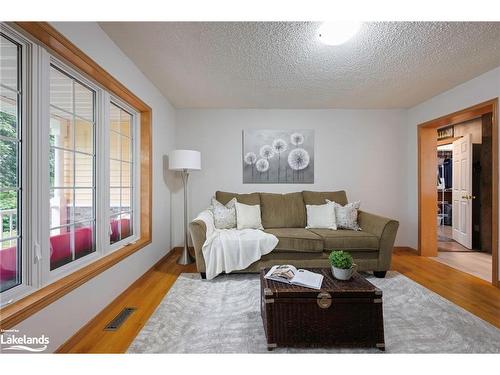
427, 192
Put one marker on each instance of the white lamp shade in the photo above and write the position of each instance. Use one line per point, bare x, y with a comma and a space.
184, 159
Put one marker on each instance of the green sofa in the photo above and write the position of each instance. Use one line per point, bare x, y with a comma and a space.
284, 215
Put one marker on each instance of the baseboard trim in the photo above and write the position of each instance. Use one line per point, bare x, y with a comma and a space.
179, 248
404, 248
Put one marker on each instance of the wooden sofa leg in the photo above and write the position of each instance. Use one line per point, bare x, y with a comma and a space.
379, 274
203, 275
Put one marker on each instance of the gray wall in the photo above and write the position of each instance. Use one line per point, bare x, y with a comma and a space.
361, 151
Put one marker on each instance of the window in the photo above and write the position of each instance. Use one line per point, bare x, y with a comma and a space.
10, 163
121, 174
74, 142
71, 169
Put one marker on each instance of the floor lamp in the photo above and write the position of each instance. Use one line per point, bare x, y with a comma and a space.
185, 161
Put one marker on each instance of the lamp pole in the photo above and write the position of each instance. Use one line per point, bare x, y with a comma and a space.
185, 257
185, 161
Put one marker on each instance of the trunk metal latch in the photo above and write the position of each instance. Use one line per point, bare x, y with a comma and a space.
324, 300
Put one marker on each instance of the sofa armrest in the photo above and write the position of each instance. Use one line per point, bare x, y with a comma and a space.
385, 229
198, 230
201, 227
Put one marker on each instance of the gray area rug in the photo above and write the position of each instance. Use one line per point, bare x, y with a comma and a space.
223, 316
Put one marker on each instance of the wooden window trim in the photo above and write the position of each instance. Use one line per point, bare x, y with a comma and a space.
48, 36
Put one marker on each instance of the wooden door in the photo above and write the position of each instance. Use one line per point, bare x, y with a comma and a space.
462, 191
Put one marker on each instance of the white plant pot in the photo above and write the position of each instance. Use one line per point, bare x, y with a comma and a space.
344, 274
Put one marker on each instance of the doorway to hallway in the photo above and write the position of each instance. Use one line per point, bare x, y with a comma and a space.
458, 190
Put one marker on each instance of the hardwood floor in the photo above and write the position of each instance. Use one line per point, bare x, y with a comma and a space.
469, 292
475, 263
446, 242
455, 255
145, 294
452, 246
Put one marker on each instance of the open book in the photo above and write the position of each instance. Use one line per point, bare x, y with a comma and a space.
291, 275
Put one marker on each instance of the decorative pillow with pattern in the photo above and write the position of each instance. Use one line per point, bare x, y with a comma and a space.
224, 216
347, 216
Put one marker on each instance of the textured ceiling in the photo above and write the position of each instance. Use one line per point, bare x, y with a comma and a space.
283, 65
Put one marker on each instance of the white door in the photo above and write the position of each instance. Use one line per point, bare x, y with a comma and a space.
462, 191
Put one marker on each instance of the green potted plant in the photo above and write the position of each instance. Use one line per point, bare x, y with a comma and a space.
342, 266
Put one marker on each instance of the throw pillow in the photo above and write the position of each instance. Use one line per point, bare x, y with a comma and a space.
224, 216
248, 217
347, 216
321, 216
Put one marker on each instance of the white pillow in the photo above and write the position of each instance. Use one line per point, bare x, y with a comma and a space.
224, 216
321, 216
248, 217
347, 216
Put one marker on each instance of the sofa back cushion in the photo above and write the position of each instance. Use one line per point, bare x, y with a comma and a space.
250, 199
283, 210
319, 197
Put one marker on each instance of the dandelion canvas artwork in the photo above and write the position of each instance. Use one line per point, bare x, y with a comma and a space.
278, 156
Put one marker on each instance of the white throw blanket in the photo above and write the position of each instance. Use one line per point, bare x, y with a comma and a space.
227, 250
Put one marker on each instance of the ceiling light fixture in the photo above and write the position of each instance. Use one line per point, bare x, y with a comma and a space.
338, 32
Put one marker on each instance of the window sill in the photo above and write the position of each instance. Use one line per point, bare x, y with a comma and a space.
18, 311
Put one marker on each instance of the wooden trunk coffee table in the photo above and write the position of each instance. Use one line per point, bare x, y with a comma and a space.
342, 313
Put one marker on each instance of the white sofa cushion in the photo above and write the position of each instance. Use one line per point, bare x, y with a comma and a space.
321, 216
248, 217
